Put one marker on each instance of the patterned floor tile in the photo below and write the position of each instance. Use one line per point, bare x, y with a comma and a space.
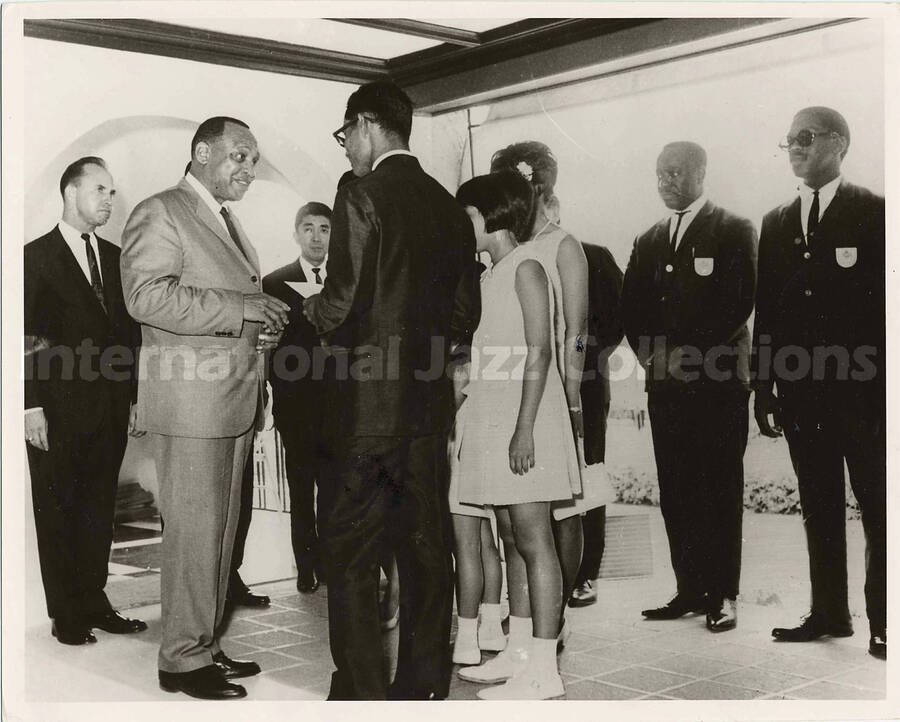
590, 689
644, 678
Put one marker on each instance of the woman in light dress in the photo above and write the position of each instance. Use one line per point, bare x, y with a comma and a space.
516, 447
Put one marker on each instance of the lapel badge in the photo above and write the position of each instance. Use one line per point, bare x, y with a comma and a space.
703, 266
846, 257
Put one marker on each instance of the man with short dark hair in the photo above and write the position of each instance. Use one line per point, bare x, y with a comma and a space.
191, 278
687, 295
821, 301
395, 298
78, 406
296, 370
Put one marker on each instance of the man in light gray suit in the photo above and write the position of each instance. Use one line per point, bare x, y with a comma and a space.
191, 278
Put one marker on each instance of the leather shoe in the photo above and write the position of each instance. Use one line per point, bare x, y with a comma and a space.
307, 581
204, 683
583, 595
812, 627
722, 616
245, 598
677, 607
878, 645
234, 668
114, 623
71, 633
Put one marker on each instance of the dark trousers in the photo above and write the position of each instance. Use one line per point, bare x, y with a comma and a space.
379, 495
302, 458
593, 526
824, 431
73, 488
236, 584
699, 438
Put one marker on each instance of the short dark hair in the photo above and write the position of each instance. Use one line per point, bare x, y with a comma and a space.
76, 170
694, 151
212, 129
832, 120
537, 156
505, 199
387, 102
313, 208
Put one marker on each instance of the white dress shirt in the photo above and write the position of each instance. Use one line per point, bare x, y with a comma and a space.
75, 242
689, 214
826, 195
398, 151
308, 272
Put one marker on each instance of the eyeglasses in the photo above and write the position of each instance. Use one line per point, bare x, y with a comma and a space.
803, 139
340, 135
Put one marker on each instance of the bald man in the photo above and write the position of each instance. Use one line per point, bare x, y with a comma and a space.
819, 336
687, 295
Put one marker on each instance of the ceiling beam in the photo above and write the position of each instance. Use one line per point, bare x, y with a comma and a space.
443, 33
208, 46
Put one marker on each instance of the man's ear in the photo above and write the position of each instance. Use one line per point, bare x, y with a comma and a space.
201, 152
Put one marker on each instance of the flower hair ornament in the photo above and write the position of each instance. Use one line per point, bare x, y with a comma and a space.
526, 170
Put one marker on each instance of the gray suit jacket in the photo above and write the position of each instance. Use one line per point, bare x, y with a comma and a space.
183, 279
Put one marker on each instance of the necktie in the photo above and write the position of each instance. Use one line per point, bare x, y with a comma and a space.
812, 222
673, 244
232, 231
318, 277
96, 282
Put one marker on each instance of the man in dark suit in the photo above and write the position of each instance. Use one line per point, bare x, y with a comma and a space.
78, 391
296, 370
687, 294
819, 336
604, 333
399, 248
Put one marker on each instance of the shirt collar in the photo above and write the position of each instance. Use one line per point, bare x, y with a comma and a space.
826, 192
693, 209
307, 268
398, 151
72, 234
204, 194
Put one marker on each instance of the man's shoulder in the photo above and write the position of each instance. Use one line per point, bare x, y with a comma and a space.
280, 275
648, 235
861, 196
729, 220
164, 200
43, 243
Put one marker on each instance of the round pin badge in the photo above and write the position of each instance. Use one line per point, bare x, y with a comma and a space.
669, 268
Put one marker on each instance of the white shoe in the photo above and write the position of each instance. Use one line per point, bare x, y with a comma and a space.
492, 644
464, 653
526, 686
502, 667
562, 639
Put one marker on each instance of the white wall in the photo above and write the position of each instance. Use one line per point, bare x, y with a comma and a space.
735, 103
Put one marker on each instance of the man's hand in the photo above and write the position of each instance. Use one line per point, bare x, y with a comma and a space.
268, 339
765, 403
36, 430
133, 429
267, 310
309, 308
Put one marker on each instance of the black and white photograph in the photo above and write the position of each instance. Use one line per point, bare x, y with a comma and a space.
447, 352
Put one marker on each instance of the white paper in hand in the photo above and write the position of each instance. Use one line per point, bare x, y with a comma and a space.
305, 288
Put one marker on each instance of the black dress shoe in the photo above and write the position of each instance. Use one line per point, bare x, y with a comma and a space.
812, 628
245, 598
722, 616
583, 595
73, 633
878, 645
114, 623
677, 607
307, 581
204, 683
234, 668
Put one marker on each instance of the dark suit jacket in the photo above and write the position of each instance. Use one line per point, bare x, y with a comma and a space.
827, 294
297, 365
61, 313
702, 303
400, 288
605, 331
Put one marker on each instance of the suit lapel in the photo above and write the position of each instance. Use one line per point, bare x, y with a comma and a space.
695, 230
791, 221
72, 280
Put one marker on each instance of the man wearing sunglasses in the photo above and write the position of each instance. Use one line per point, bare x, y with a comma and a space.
819, 340
397, 293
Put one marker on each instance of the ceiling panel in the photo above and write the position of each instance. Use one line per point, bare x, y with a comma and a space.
478, 25
324, 34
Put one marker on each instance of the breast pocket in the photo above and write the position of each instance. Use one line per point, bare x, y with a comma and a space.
704, 265
846, 256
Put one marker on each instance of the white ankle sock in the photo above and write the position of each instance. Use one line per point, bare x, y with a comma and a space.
543, 656
519, 632
490, 620
467, 631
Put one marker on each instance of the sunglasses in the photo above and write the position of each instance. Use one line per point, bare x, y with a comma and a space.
340, 135
803, 139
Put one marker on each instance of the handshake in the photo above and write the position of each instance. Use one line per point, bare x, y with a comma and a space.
271, 312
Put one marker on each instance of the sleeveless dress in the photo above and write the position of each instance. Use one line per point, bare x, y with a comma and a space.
596, 489
493, 395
